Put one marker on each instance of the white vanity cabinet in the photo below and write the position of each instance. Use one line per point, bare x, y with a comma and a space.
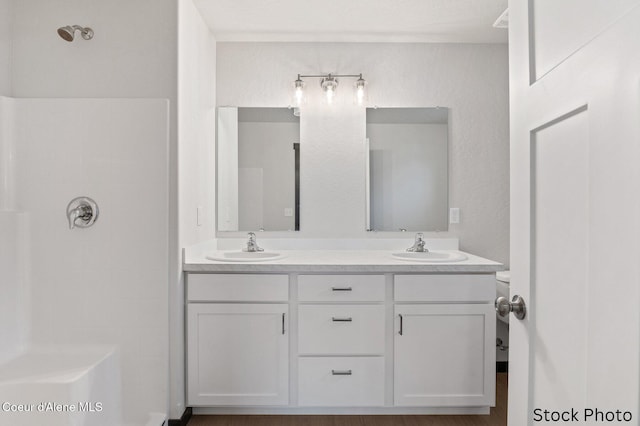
444, 353
237, 353
316, 342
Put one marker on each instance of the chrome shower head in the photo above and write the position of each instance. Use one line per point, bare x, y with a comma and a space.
68, 32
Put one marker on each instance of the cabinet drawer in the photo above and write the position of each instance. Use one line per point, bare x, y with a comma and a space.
336, 288
341, 381
237, 287
341, 329
445, 288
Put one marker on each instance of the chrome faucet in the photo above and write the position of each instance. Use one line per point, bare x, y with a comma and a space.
418, 245
252, 245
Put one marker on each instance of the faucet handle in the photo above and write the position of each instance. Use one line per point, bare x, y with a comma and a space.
82, 212
419, 237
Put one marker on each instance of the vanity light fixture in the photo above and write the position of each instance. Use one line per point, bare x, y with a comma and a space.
329, 84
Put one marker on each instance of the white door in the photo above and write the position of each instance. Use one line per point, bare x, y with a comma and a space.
238, 354
444, 355
575, 193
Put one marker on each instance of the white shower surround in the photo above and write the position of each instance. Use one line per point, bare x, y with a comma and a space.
470, 79
85, 377
102, 285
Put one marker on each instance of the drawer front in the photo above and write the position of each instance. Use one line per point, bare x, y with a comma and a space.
445, 288
344, 381
341, 329
339, 288
237, 288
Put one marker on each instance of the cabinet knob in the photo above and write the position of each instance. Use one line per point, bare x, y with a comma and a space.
341, 372
341, 288
341, 319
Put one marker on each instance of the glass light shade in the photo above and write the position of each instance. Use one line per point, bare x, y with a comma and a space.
360, 92
298, 92
329, 85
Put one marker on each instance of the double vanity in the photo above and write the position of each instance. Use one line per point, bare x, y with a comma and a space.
324, 326
340, 331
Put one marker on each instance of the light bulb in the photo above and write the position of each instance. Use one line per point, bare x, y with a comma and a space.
360, 94
298, 96
330, 95
329, 84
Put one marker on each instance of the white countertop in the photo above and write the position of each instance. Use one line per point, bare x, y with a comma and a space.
362, 261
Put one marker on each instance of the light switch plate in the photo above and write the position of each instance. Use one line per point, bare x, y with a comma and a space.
288, 212
454, 215
199, 216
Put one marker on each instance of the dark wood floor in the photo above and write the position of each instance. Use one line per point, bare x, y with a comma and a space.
498, 417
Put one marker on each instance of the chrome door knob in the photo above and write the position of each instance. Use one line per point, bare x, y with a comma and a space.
517, 306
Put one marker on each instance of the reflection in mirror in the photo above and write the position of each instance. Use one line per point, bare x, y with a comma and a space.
407, 173
258, 157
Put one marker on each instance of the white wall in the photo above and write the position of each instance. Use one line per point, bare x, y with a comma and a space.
196, 174
196, 102
471, 80
6, 28
133, 51
106, 284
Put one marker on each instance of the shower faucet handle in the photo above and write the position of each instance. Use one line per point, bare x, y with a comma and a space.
82, 212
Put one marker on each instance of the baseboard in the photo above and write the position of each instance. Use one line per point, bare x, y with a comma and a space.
186, 416
336, 411
502, 367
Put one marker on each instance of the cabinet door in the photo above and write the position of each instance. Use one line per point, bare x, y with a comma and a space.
237, 354
444, 355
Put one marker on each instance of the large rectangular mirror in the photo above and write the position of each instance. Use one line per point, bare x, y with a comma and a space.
407, 169
258, 168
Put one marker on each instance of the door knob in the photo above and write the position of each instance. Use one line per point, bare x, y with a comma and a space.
517, 306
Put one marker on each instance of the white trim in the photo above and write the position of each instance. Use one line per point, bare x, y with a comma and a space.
341, 410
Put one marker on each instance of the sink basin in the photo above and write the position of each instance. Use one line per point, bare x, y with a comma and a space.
430, 256
244, 256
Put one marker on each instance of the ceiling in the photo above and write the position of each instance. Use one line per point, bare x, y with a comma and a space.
451, 21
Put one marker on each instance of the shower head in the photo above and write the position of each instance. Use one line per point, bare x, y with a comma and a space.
69, 31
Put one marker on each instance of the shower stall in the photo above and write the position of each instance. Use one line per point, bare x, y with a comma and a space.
83, 310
